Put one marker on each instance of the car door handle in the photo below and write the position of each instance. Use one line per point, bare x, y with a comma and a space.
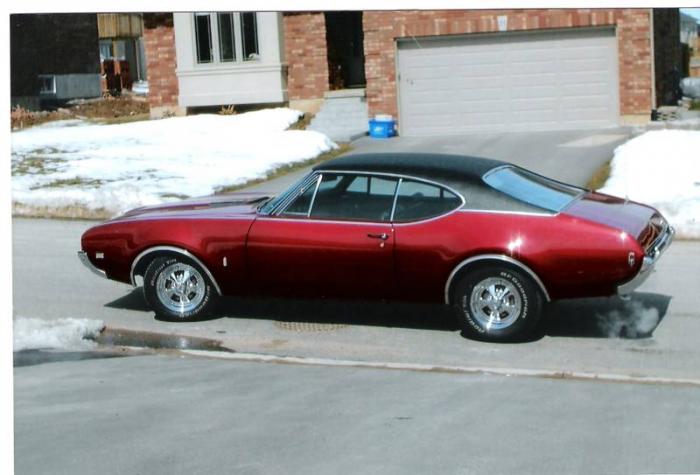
382, 236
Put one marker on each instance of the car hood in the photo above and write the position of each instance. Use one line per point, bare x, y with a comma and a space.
222, 205
619, 213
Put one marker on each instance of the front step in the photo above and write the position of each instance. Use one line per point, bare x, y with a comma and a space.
342, 116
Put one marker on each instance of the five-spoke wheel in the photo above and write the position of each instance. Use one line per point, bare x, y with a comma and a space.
497, 303
177, 289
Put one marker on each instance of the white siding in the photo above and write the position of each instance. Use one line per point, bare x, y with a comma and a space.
250, 82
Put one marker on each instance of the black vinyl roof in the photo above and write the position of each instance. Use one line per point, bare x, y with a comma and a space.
431, 166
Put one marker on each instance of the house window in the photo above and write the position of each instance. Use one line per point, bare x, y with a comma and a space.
47, 84
226, 37
250, 36
202, 33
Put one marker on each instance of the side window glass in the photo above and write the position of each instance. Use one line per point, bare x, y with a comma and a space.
301, 204
354, 197
417, 200
359, 185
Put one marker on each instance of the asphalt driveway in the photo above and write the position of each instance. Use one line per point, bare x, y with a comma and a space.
570, 156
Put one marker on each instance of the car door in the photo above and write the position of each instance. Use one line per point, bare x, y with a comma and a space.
425, 238
334, 238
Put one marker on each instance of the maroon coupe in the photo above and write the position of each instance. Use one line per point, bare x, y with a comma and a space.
492, 239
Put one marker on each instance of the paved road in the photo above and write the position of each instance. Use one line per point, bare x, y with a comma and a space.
50, 282
164, 414
570, 156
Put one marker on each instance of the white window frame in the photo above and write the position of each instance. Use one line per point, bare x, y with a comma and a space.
215, 40
53, 84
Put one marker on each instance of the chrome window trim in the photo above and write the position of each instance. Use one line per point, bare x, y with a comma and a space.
178, 250
293, 193
396, 198
401, 177
313, 197
494, 257
328, 221
498, 211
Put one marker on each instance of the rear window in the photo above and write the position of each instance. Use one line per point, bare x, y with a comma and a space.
532, 189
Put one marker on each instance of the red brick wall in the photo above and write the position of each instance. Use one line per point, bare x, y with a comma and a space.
159, 43
382, 28
306, 55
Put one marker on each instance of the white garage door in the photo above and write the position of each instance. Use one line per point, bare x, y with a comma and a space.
508, 82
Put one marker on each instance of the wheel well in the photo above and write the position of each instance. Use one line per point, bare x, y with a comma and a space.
480, 262
143, 259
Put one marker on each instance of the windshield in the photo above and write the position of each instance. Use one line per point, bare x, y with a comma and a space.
532, 189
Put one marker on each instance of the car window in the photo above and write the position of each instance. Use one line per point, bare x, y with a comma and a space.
301, 204
354, 197
417, 200
532, 189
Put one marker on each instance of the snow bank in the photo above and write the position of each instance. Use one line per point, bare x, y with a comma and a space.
63, 333
122, 166
662, 169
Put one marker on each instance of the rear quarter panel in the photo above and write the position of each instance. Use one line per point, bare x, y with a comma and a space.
573, 257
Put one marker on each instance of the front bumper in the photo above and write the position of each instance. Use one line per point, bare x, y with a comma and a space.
82, 255
650, 259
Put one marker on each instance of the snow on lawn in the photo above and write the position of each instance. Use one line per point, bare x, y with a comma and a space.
122, 166
662, 169
62, 333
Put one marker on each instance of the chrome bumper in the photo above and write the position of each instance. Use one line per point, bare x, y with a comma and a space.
648, 262
82, 255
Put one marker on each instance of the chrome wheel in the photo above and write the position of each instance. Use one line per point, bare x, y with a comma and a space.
180, 287
495, 303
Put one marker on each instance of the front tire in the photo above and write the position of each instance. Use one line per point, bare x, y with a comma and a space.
177, 289
497, 303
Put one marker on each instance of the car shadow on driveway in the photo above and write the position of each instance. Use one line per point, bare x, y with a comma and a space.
609, 317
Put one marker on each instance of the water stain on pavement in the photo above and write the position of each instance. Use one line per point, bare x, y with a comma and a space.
157, 341
37, 357
116, 343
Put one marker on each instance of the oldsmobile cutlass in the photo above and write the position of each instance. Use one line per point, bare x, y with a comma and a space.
491, 239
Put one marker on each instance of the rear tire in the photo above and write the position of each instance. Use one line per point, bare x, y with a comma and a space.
177, 289
497, 303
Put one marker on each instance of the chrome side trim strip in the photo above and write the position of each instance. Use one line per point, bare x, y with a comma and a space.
494, 257
82, 255
178, 250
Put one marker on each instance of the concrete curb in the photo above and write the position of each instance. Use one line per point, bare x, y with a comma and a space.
521, 372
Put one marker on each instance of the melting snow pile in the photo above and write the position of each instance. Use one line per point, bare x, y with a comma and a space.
662, 169
62, 333
121, 166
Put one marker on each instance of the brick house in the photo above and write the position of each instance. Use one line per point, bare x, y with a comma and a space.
437, 72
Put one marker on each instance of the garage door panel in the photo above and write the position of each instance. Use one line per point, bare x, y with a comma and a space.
532, 81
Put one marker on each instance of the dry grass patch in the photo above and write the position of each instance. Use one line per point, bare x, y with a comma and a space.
63, 212
600, 176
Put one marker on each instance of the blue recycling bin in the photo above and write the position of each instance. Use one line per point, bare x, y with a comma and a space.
382, 129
